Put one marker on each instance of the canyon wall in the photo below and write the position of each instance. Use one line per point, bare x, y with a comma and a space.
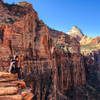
90, 49
51, 62
92, 64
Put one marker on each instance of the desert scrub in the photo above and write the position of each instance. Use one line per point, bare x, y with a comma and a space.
54, 42
24, 4
61, 46
9, 20
89, 47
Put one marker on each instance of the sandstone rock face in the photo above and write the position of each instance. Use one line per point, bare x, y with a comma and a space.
92, 62
76, 32
68, 58
90, 48
50, 61
13, 89
89, 45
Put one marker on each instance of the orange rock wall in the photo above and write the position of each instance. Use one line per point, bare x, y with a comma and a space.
46, 68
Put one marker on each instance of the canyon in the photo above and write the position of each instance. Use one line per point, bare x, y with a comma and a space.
90, 49
52, 62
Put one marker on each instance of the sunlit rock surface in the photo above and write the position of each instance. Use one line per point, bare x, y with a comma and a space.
76, 32
51, 62
12, 89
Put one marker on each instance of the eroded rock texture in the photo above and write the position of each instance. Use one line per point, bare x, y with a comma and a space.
69, 62
12, 89
92, 64
50, 61
90, 48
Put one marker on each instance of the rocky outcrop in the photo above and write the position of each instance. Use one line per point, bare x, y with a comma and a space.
12, 89
76, 32
90, 49
92, 64
88, 44
50, 61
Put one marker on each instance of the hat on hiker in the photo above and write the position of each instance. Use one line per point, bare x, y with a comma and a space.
15, 56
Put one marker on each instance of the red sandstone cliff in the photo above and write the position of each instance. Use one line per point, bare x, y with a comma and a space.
50, 60
90, 48
12, 89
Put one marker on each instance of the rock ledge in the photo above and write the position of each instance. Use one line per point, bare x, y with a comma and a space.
12, 89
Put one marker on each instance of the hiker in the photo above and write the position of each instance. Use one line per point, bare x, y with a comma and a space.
14, 68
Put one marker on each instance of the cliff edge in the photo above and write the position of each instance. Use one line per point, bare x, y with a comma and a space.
12, 89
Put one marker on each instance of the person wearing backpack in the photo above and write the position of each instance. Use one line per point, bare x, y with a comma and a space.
14, 67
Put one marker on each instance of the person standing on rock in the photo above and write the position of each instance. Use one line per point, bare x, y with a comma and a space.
14, 68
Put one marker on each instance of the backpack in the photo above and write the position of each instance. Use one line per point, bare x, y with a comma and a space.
13, 67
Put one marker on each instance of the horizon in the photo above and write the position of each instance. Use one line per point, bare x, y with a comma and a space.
63, 15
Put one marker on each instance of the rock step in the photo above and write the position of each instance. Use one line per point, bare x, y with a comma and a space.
7, 84
28, 97
8, 75
8, 90
11, 97
26, 93
12, 89
8, 79
13, 83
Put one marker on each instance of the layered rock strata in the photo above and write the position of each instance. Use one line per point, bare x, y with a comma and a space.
90, 49
12, 89
50, 61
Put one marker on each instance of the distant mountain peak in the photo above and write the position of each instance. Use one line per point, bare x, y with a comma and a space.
76, 32
75, 27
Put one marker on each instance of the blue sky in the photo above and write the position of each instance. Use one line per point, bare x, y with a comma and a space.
62, 15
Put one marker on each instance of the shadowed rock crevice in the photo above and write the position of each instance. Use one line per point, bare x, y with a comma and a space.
2, 35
